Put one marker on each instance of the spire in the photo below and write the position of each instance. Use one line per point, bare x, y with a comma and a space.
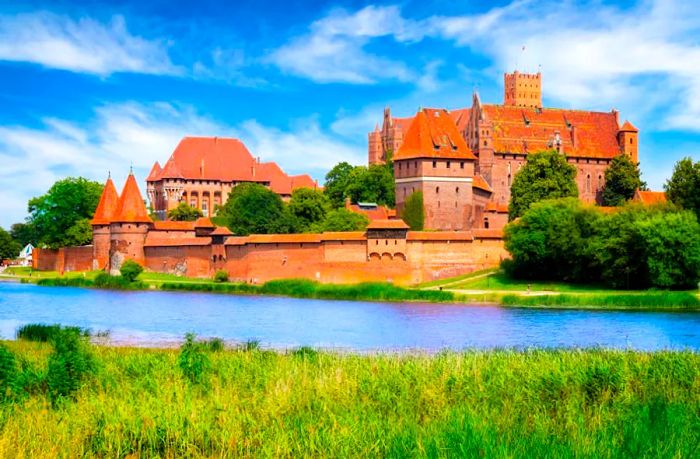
154, 175
131, 208
107, 206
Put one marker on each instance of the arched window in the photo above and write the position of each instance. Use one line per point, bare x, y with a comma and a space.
588, 182
457, 190
510, 180
437, 190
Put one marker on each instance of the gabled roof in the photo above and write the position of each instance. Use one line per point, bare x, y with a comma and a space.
173, 225
649, 197
107, 206
481, 183
203, 222
371, 210
387, 224
527, 130
628, 127
433, 134
131, 208
221, 231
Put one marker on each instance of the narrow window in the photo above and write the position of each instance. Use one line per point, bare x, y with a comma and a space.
434, 164
486, 223
437, 190
457, 190
448, 164
461, 164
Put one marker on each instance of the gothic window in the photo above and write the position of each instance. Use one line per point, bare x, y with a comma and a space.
510, 180
588, 182
457, 190
437, 190
600, 182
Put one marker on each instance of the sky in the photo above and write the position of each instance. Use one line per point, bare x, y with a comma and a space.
92, 87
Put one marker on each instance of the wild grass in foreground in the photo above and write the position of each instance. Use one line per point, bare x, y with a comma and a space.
251, 402
646, 300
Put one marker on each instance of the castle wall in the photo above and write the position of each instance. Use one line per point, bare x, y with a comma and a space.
66, 259
189, 261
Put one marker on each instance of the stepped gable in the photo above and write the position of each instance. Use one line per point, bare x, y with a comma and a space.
107, 207
131, 208
433, 134
527, 130
154, 175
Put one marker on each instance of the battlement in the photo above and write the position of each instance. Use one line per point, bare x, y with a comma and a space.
522, 89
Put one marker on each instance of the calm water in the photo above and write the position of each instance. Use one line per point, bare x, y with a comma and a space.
147, 318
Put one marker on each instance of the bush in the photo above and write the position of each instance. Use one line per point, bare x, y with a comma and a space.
130, 270
44, 333
104, 280
193, 360
215, 344
8, 374
70, 364
221, 276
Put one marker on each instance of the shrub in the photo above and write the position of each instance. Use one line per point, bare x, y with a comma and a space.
130, 270
44, 333
193, 360
70, 364
221, 276
251, 345
306, 353
8, 374
104, 280
215, 344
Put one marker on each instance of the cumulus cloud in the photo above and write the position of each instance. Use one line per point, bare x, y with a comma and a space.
133, 134
334, 49
83, 45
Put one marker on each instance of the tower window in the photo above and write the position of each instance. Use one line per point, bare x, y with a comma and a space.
461, 164
448, 164
437, 190
457, 190
434, 164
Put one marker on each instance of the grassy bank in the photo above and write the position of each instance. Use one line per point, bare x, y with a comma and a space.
646, 300
259, 403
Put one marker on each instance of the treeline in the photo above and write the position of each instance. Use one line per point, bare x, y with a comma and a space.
632, 247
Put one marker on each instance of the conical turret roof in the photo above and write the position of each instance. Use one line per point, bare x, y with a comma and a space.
107, 207
131, 207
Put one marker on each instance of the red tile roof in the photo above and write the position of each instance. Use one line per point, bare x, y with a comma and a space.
226, 160
387, 224
649, 197
204, 222
171, 225
488, 233
433, 134
628, 127
460, 117
153, 240
373, 213
496, 207
440, 236
480, 182
131, 208
155, 172
221, 231
527, 130
107, 207
343, 236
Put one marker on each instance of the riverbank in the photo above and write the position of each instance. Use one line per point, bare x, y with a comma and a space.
485, 287
251, 402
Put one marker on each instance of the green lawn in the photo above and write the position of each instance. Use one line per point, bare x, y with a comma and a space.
258, 403
451, 280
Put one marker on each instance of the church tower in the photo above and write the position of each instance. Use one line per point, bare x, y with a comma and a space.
105, 212
129, 227
627, 137
522, 89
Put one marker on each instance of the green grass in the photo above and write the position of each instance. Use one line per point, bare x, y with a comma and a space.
451, 280
33, 275
307, 403
500, 281
44, 333
645, 300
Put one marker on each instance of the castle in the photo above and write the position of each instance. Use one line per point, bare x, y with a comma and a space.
464, 161
202, 171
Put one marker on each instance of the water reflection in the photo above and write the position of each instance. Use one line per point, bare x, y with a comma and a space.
163, 317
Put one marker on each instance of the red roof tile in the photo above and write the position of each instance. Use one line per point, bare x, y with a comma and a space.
107, 207
203, 222
154, 175
440, 236
433, 134
153, 240
343, 236
387, 224
527, 130
488, 233
373, 213
131, 208
628, 127
480, 182
221, 231
226, 160
649, 197
496, 207
171, 225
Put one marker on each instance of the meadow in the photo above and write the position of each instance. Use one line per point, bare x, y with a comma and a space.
205, 401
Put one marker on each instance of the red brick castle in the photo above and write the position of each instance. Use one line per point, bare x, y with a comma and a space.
464, 160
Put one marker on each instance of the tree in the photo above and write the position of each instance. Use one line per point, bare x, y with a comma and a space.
342, 220
9, 248
308, 206
252, 208
372, 184
184, 213
130, 270
546, 175
622, 179
24, 233
552, 240
336, 183
683, 188
413, 212
66, 203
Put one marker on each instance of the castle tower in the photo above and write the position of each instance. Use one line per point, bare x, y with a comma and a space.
522, 89
101, 221
129, 227
627, 137
375, 152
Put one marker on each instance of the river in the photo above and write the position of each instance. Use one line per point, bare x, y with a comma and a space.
155, 318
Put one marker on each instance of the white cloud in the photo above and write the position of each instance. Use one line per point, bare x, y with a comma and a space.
121, 135
334, 49
84, 45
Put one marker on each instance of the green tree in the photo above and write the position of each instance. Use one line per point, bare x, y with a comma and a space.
622, 179
342, 220
683, 188
552, 240
372, 184
308, 206
336, 183
184, 213
24, 233
413, 212
66, 203
9, 248
546, 175
252, 208
130, 270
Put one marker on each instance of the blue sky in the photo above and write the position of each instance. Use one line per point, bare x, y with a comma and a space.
91, 87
